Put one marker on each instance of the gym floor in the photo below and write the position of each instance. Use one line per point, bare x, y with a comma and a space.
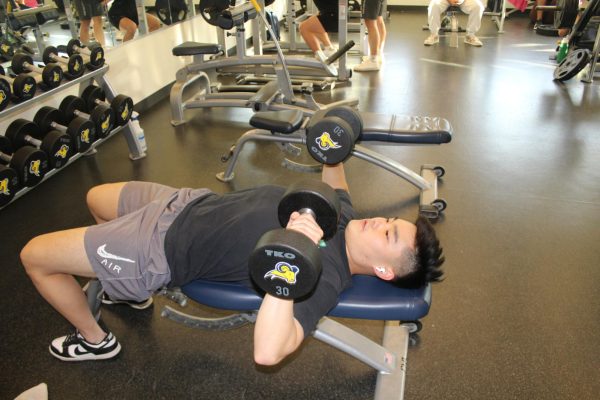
518, 315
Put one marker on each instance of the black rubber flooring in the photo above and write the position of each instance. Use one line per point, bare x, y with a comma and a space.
519, 313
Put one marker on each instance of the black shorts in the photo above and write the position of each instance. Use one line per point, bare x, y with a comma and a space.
122, 9
371, 9
86, 9
328, 14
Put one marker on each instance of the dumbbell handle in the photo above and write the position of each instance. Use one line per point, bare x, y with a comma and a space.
82, 114
5, 157
36, 142
314, 216
56, 58
58, 126
548, 8
33, 67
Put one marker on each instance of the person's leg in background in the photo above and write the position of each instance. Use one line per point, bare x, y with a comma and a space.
372, 11
434, 12
475, 9
539, 14
382, 31
314, 35
153, 22
98, 30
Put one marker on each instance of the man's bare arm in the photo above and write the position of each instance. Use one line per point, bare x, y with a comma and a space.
335, 176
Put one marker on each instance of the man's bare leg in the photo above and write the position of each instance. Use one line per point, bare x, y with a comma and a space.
51, 260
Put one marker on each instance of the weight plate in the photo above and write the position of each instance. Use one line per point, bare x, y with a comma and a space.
285, 264
123, 107
59, 148
31, 165
351, 116
103, 118
9, 184
330, 140
316, 196
70, 104
5, 93
91, 94
24, 87
75, 66
569, 67
52, 75
83, 132
566, 13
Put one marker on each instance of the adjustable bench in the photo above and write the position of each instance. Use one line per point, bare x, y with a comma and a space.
275, 95
289, 127
368, 298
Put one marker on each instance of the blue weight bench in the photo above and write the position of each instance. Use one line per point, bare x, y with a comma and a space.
369, 298
288, 127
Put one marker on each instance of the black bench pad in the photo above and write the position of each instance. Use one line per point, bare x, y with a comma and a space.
193, 48
405, 129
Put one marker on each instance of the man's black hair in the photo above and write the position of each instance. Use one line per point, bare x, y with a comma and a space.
425, 262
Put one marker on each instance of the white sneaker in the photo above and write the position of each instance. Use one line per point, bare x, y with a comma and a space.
319, 55
368, 64
473, 41
328, 51
431, 40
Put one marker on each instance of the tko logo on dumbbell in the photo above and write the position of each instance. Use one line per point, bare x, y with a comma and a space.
279, 254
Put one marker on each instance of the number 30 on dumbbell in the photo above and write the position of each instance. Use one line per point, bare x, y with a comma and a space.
286, 263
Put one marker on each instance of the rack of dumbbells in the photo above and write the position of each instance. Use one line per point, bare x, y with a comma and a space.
31, 151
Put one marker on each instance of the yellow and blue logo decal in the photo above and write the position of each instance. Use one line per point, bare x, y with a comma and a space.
284, 272
4, 187
125, 113
34, 167
85, 136
62, 152
325, 142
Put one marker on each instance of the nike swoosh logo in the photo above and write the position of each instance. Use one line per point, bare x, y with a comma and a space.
103, 253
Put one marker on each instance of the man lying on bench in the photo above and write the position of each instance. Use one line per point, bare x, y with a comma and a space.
150, 235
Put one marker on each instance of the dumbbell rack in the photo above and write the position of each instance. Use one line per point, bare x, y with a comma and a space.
136, 151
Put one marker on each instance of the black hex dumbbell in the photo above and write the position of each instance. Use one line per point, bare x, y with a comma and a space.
122, 105
81, 130
286, 263
102, 115
9, 184
94, 53
332, 133
58, 146
73, 65
29, 163
23, 86
52, 73
5, 91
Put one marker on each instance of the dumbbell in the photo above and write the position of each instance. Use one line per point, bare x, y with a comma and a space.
5, 92
9, 184
332, 133
286, 263
81, 130
52, 73
73, 64
58, 146
95, 53
23, 85
122, 105
102, 115
29, 163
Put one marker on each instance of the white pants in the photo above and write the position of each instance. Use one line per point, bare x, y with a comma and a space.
474, 8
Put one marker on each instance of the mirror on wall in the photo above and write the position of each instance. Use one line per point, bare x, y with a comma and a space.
31, 25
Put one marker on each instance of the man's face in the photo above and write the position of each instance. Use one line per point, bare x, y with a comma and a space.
379, 242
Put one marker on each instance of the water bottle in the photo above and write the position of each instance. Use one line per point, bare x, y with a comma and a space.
138, 131
563, 49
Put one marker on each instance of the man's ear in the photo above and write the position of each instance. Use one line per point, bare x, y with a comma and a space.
383, 273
